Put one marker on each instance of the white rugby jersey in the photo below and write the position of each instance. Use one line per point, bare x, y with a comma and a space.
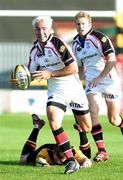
54, 56
91, 51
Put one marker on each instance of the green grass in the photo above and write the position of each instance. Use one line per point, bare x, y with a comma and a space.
14, 130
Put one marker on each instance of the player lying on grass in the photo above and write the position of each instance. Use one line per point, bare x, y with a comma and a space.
47, 154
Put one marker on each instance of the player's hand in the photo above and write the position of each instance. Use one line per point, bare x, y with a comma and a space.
13, 81
95, 82
40, 75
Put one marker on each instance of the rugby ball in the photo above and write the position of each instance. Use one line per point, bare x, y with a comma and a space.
22, 74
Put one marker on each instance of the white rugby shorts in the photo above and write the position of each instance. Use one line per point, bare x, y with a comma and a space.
110, 90
74, 99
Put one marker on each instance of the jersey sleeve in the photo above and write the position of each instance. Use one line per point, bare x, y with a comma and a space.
105, 42
44, 153
64, 51
107, 45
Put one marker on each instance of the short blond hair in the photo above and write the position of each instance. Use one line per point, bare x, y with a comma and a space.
83, 14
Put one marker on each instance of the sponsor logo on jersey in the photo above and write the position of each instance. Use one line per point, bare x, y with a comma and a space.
49, 65
62, 49
103, 39
89, 56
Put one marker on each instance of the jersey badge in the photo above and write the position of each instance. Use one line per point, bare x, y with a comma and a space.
103, 39
62, 49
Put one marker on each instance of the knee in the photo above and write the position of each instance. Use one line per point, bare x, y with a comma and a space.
114, 121
87, 129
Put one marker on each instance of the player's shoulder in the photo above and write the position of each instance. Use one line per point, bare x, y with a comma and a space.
99, 36
57, 40
59, 44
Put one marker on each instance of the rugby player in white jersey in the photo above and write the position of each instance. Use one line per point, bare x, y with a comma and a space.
96, 59
51, 59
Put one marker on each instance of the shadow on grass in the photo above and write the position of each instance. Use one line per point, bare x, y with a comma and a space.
6, 163
45, 170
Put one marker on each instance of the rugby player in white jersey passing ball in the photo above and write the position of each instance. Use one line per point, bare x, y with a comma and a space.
51, 59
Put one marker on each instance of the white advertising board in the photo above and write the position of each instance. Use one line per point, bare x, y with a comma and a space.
33, 101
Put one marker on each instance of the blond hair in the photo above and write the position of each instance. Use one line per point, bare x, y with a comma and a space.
83, 14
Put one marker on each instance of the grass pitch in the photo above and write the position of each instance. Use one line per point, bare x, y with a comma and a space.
14, 130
